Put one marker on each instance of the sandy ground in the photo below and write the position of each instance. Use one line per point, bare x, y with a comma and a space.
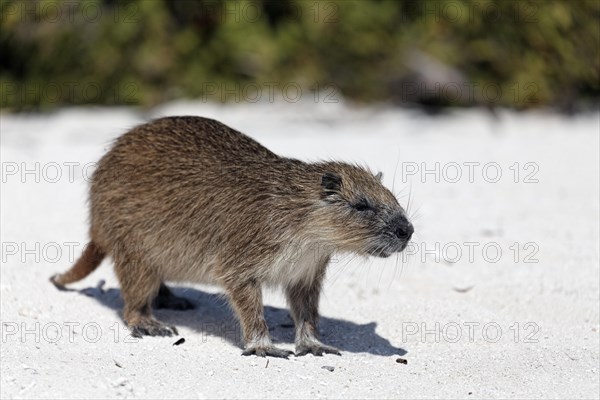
498, 298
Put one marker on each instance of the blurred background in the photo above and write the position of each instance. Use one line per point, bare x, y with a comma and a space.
431, 54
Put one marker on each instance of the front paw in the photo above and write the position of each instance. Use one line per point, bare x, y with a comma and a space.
263, 351
315, 348
151, 327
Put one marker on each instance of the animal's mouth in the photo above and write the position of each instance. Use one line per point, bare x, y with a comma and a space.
387, 250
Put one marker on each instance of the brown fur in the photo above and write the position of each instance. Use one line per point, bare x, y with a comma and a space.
90, 259
190, 199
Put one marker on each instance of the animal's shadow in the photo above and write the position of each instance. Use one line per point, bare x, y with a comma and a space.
213, 317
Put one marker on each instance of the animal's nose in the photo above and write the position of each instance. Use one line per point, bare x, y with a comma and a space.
404, 231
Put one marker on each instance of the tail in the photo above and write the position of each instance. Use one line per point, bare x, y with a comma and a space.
90, 259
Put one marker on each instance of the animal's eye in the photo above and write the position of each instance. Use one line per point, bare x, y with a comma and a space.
363, 205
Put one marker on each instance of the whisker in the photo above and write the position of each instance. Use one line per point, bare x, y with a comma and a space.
339, 268
414, 214
409, 198
343, 264
381, 269
395, 171
400, 259
399, 193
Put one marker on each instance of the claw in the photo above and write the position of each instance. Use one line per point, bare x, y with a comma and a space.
153, 328
316, 349
270, 351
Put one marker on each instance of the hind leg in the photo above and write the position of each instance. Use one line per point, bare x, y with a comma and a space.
167, 299
139, 285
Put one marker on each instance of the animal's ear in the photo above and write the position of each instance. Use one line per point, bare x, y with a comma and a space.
379, 176
331, 183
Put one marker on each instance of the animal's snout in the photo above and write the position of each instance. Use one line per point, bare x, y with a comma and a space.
404, 230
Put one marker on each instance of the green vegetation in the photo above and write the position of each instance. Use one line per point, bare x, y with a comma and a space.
513, 53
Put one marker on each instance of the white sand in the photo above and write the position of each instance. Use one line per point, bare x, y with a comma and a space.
522, 324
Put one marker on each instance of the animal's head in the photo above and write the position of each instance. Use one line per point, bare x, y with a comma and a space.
361, 214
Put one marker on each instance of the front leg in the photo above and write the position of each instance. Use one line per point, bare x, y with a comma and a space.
303, 299
246, 300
